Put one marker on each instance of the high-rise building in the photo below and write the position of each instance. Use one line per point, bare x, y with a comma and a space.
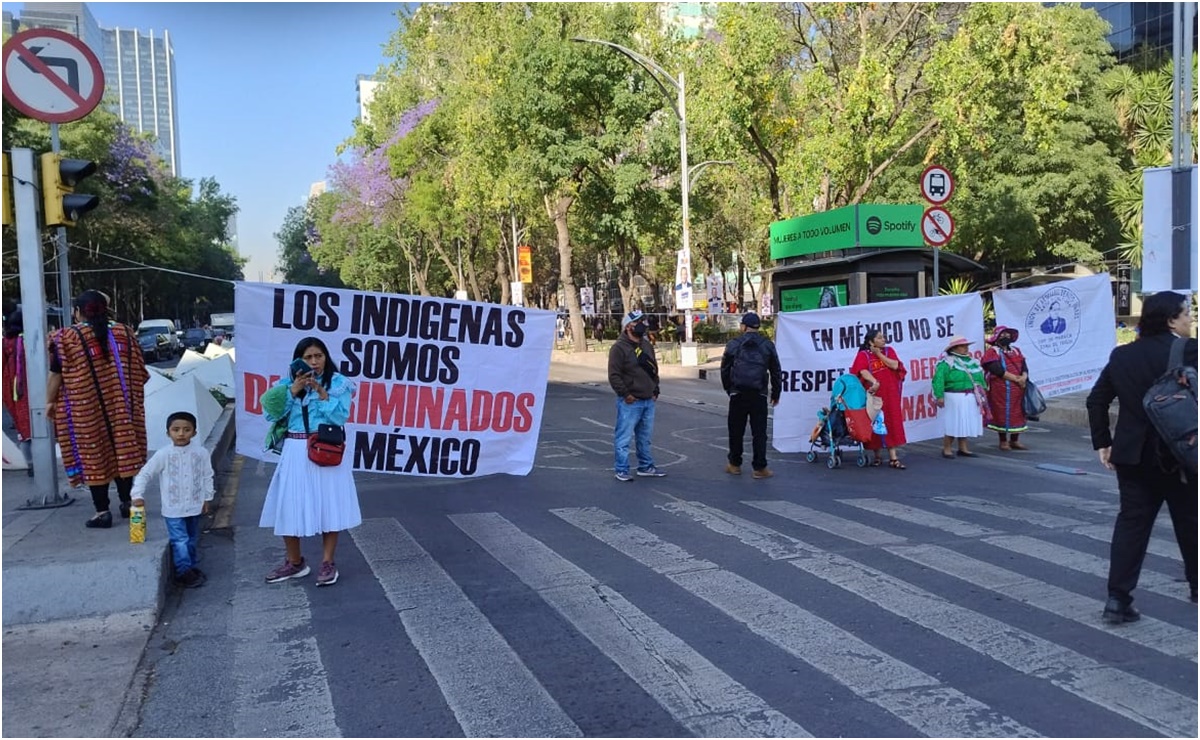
1140, 27
139, 70
366, 86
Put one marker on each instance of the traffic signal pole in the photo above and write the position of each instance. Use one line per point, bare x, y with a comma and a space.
60, 242
33, 308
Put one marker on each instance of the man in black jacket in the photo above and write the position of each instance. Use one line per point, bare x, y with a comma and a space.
1147, 472
633, 376
749, 364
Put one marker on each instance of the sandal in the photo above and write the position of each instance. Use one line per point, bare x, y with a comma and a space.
897, 465
964, 453
948, 455
1018, 446
877, 464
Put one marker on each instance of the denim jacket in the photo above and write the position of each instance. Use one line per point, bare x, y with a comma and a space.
333, 410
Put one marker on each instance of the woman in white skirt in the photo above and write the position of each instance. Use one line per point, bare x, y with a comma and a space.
304, 498
955, 381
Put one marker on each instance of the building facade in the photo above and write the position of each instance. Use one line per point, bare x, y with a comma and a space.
139, 70
1140, 27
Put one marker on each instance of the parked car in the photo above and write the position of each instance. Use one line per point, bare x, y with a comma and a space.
196, 339
166, 341
155, 345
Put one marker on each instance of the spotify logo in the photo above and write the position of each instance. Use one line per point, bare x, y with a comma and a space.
874, 225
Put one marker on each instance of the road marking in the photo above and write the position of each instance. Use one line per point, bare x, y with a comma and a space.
1146, 703
918, 516
281, 683
983, 506
1103, 533
1162, 524
597, 423
695, 692
490, 690
915, 697
851, 530
1155, 634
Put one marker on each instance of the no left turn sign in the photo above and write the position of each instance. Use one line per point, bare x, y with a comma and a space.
937, 226
51, 76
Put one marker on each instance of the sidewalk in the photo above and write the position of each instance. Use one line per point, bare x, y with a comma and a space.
78, 607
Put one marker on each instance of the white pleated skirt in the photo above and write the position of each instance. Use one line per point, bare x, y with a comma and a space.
961, 416
306, 499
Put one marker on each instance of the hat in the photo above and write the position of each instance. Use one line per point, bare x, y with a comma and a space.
751, 320
999, 329
957, 342
632, 317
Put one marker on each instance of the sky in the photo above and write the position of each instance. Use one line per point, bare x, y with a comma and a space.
266, 93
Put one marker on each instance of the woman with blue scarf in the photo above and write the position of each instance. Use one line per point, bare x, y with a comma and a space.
958, 386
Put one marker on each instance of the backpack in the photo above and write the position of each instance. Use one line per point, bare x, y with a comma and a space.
1170, 403
749, 372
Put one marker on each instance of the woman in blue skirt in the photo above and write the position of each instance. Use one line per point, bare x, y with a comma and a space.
304, 498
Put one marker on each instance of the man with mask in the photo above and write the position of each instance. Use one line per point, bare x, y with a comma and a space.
633, 375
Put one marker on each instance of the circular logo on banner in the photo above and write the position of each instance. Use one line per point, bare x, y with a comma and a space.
874, 225
1054, 322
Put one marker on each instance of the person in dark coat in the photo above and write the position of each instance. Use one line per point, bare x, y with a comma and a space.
1147, 473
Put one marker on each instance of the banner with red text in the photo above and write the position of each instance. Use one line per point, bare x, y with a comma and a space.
443, 387
817, 346
1066, 330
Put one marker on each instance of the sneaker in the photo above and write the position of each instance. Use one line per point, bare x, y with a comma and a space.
651, 472
287, 570
764, 473
102, 520
191, 579
624, 477
733, 469
327, 575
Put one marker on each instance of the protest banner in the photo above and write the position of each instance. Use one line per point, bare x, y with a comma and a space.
443, 387
817, 346
1067, 330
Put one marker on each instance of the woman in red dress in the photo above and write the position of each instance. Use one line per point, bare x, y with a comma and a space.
883, 373
16, 386
1007, 374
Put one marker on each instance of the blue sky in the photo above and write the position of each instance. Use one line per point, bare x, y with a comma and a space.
266, 92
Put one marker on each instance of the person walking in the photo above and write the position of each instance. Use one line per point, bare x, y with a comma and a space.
750, 373
185, 476
883, 374
956, 381
96, 399
16, 386
633, 376
1147, 472
304, 498
1007, 374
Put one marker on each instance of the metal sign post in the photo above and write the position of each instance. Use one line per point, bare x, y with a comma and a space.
33, 309
60, 242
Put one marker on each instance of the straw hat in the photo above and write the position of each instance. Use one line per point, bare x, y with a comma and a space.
957, 342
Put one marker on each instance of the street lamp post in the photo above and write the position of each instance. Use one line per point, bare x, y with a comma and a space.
679, 105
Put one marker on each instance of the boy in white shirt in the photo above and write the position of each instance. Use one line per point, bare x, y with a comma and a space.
186, 483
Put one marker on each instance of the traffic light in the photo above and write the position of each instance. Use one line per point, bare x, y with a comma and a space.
61, 206
9, 218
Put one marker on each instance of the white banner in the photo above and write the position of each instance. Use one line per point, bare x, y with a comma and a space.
443, 388
818, 346
1158, 241
683, 280
1067, 330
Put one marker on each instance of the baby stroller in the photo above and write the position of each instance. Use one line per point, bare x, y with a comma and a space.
832, 431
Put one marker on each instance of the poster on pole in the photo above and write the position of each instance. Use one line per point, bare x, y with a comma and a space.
1067, 330
525, 264
443, 388
683, 280
1158, 241
818, 346
587, 300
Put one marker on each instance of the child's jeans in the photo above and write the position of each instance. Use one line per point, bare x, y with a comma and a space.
184, 533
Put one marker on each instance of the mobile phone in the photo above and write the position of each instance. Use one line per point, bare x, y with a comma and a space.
300, 367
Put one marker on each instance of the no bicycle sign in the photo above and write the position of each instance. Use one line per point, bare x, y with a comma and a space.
51, 76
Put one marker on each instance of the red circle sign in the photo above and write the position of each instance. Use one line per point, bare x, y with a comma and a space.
51, 76
937, 225
936, 184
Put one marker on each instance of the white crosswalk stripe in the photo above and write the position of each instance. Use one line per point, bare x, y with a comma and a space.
282, 686
699, 695
492, 693
919, 699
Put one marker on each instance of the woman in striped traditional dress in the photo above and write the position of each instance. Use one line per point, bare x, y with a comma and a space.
96, 399
1007, 375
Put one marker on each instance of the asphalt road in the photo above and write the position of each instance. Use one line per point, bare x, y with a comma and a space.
955, 598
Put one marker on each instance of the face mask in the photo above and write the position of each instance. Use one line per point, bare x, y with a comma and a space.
639, 330
1004, 341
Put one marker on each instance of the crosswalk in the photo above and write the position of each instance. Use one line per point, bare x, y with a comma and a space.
946, 616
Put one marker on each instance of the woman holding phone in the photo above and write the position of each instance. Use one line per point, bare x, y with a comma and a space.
304, 498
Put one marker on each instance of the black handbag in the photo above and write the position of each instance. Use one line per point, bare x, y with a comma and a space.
327, 445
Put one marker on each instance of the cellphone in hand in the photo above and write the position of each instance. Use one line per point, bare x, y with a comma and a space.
300, 367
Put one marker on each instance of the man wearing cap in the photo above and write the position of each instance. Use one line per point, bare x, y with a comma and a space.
749, 367
633, 375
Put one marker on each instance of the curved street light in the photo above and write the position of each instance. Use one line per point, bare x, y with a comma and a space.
679, 106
